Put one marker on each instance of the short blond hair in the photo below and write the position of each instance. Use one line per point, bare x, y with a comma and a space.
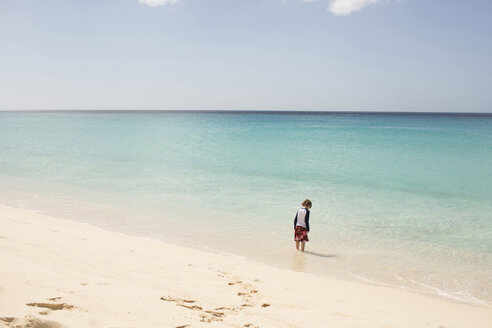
307, 203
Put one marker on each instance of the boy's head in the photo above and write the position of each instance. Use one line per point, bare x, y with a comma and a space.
307, 203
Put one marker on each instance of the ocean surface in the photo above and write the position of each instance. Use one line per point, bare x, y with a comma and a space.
398, 200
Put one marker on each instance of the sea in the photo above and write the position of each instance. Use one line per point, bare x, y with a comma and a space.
399, 199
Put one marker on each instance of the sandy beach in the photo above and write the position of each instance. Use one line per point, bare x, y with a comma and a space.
58, 273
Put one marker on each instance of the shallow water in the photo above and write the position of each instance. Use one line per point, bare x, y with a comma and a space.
401, 200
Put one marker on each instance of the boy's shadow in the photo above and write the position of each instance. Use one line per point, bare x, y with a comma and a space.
320, 254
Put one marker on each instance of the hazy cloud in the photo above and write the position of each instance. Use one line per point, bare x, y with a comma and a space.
345, 7
336, 7
155, 3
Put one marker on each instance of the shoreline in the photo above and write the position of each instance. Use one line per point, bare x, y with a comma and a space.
68, 274
425, 290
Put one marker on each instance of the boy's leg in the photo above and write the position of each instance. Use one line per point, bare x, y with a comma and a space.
302, 246
297, 245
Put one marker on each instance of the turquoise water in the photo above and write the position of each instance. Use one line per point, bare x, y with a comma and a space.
399, 200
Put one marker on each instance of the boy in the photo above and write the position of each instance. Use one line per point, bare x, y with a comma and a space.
301, 224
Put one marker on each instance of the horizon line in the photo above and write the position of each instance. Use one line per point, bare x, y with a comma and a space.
242, 111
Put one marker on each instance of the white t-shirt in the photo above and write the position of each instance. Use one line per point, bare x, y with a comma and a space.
302, 218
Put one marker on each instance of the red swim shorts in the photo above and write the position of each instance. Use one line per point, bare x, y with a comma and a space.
301, 234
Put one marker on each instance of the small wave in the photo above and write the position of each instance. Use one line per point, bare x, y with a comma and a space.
372, 282
216, 251
428, 289
457, 296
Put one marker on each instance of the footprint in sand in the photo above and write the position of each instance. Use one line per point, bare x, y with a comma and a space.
205, 315
52, 306
54, 298
30, 322
246, 292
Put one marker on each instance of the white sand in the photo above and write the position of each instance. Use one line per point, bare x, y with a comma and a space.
58, 273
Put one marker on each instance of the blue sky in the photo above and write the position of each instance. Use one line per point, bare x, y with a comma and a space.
407, 55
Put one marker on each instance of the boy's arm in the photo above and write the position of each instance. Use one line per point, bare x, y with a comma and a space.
307, 220
295, 221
